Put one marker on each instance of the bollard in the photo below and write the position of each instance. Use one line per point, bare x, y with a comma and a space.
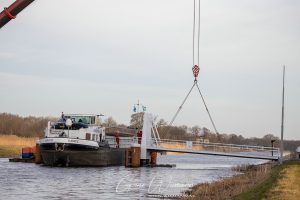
37, 155
136, 155
153, 156
128, 158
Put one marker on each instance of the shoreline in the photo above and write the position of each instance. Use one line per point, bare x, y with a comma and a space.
247, 177
254, 182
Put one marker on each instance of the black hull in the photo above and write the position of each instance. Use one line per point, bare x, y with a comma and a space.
87, 157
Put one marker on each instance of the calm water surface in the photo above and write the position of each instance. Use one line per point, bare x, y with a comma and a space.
30, 181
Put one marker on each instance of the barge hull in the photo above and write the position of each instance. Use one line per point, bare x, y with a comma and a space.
101, 157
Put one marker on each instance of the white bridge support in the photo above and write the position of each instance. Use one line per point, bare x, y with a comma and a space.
151, 142
146, 138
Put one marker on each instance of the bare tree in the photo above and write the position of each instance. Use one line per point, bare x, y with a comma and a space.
161, 123
195, 130
109, 122
23, 126
136, 120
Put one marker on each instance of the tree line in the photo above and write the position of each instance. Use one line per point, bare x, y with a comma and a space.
22, 126
11, 124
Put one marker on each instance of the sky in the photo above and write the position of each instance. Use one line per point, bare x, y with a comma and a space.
100, 56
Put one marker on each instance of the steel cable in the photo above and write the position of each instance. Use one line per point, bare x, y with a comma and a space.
207, 108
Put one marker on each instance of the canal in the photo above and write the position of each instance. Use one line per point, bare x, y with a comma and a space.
30, 181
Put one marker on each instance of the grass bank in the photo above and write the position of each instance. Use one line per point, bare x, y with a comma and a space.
280, 182
228, 188
283, 184
11, 145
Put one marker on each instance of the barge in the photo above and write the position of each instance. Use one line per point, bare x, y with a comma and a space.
76, 140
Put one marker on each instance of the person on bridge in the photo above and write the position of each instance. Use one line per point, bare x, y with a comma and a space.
139, 136
117, 137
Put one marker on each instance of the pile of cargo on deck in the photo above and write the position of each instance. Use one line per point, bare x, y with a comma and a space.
28, 152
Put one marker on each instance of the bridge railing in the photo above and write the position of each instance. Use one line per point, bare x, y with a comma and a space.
124, 142
204, 146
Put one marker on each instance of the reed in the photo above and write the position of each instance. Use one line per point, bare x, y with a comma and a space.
248, 177
11, 145
179, 146
13, 140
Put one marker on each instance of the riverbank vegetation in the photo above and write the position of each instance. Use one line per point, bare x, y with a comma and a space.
283, 184
22, 126
11, 145
288, 184
247, 177
275, 182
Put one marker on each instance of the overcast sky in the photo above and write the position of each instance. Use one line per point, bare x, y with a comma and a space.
101, 56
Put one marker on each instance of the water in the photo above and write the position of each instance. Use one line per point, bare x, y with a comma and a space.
30, 181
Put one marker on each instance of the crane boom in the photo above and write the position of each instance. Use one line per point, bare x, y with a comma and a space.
11, 12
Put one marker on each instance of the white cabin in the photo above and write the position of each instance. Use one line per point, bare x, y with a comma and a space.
83, 127
298, 153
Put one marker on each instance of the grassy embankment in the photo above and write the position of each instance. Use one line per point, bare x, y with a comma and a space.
259, 182
11, 145
283, 184
229, 187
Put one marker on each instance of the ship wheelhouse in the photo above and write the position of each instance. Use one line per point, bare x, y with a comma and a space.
82, 127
